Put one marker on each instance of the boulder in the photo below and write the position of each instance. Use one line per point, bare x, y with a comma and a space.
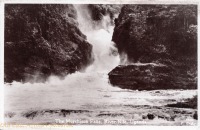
195, 116
43, 40
150, 116
150, 77
188, 103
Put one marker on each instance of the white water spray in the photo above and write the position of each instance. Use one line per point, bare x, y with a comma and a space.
78, 88
86, 91
99, 34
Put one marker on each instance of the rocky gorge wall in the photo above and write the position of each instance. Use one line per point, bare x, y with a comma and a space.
158, 45
100, 10
43, 40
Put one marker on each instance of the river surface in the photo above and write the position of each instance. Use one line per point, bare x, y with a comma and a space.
88, 98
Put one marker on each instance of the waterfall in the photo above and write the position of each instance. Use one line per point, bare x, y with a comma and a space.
87, 95
79, 88
99, 34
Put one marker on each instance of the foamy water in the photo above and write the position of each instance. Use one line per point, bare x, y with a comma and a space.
86, 91
91, 91
99, 34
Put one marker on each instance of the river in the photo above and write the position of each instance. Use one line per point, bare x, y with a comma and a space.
87, 97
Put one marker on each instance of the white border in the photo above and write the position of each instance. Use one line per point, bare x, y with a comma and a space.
2, 2
1, 62
104, 1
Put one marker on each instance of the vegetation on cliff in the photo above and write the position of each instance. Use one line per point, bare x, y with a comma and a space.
162, 34
43, 40
100, 10
157, 33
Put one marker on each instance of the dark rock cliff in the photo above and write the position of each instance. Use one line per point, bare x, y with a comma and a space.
100, 10
162, 34
43, 40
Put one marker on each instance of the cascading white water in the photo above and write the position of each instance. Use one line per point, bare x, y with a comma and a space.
99, 34
89, 90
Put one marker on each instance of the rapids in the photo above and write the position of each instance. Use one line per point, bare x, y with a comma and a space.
88, 95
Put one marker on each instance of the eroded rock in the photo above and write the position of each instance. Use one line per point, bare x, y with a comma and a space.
150, 77
43, 40
100, 10
163, 35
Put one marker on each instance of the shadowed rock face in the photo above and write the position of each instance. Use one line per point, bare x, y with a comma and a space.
100, 10
41, 40
150, 77
160, 34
